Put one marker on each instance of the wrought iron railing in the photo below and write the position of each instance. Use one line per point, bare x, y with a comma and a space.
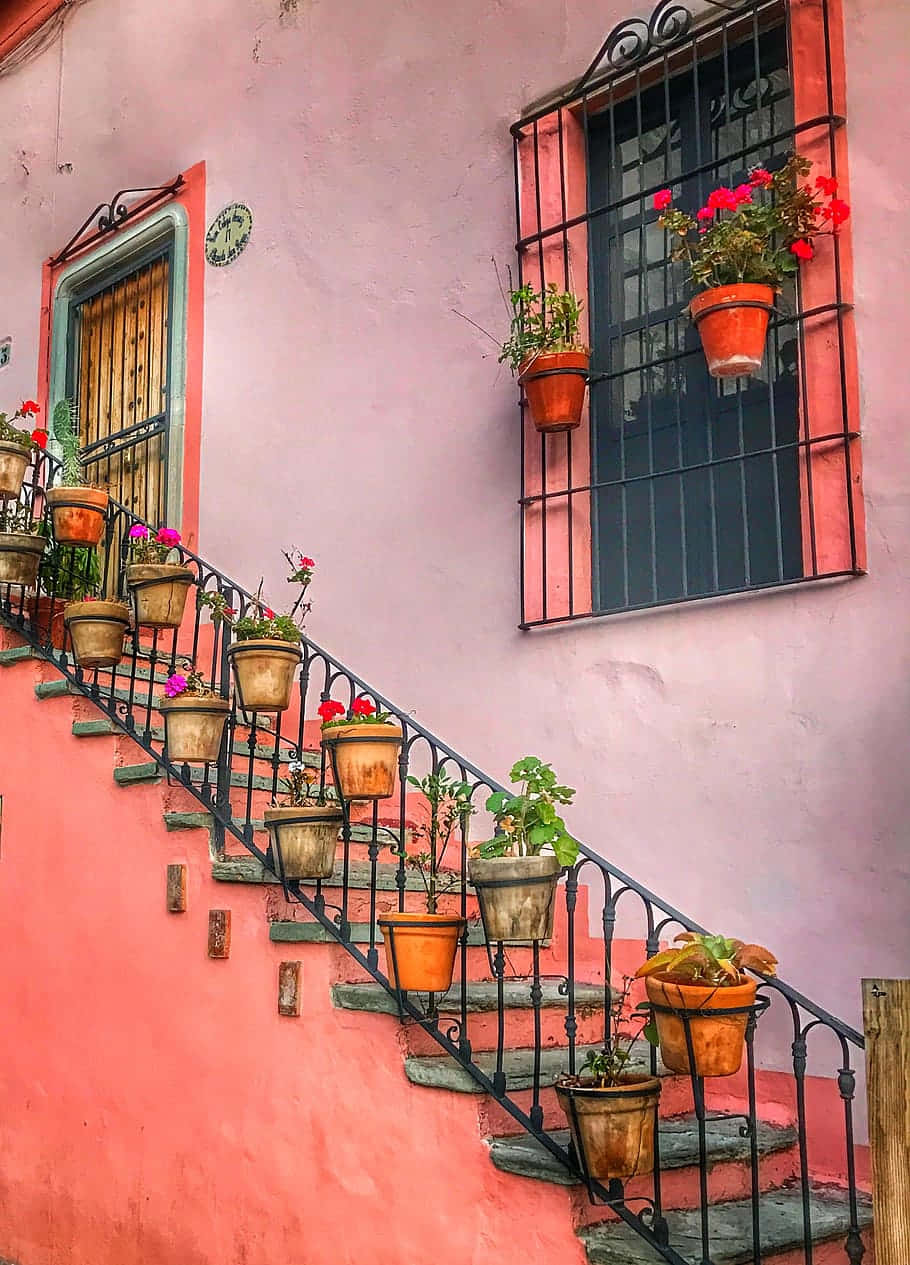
254, 754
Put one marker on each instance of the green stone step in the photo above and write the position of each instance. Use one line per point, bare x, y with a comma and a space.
17, 654
526, 1157
615, 1243
204, 821
95, 728
315, 933
440, 1071
62, 687
249, 870
482, 996
54, 689
127, 774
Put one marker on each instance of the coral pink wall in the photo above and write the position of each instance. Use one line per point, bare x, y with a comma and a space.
745, 757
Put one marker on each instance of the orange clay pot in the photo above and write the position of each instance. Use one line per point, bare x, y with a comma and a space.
557, 399
14, 461
733, 336
78, 514
420, 950
366, 758
613, 1129
264, 670
717, 1043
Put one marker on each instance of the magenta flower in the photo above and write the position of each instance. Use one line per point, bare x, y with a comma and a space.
174, 685
139, 532
167, 536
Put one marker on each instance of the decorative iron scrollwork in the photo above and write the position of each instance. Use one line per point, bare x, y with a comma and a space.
114, 214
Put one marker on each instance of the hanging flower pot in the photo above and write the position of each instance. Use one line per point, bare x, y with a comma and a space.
14, 459
732, 322
78, 514
20, 557
555, 385
612, 1127
194, 719
420, 950
363, 749
263, 669
517, 896
96, 631
305, 837
159, 591
706, 973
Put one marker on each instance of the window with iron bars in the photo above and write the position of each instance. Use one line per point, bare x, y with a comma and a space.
679, 486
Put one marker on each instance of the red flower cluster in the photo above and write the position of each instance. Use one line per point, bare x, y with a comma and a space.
760, 178
39, 438
28, 406
827, 184
836, 211
307, 562
802, 250
269, 613
362, 707
662, 199
329, 710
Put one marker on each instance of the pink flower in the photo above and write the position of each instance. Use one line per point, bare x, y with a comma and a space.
307, 562
662, 199
802, 250
722, 199
167, 536
174, 685
139, 532
706, 213
760, 178
743, 193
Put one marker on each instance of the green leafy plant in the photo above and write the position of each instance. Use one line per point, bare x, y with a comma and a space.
10, 434
628, 1025
300, 789
66, 432
450, 809
756, 233
68, 572
542, 322
361, 712
15, 517
260, 621
529, 822
709, 959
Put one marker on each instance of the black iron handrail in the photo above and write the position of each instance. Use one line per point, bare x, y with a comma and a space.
250, 744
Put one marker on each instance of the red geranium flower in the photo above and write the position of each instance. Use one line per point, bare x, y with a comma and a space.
836, 211
760, 178
662, 199
827, 184
307, 562
330, 709
28, 406
802, 250
706, 213
269, 613
722, 199
363, 707
743, 193
39, 438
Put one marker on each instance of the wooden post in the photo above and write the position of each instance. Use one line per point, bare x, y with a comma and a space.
289, 989
886, 1015
219, 933
176, 889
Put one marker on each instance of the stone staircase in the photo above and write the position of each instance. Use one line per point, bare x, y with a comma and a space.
517, 1157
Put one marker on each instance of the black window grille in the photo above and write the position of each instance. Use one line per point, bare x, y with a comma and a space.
683, 486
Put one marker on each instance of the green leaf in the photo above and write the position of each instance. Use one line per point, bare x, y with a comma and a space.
496, 801
539, 835
650, 1034
566, 849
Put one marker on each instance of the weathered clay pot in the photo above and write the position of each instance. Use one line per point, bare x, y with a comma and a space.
420, 950
159, 590
306, 839
78, 514
733, 335
48, 620
20, 558
264, 670
717, 1041
517, 896
555, 399
366, 758
193, 727
96, 630
613, 1129
14, 461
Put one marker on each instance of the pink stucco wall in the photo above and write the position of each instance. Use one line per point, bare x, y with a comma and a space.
745, 758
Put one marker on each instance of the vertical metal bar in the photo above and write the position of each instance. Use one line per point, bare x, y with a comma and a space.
674, 369
543, 438
536, 998
571, 1021
755, 1181
644, 337
624, 512
567, 285
799, 1072
521, 407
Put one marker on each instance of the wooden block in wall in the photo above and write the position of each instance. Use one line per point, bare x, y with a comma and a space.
219, 933
176, 889
289, 989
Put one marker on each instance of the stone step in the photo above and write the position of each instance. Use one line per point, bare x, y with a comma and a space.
249, 870
103, 727
482, 997
615, 1243
62, 687
150, 771
439, 1071
526, 1157
204, 821
315, 933
18, 654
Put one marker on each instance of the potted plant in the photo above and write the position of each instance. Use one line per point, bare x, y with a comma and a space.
515, 872
21, 546
420, 948
740, 248
194, 718
78, 510
266, 648
363, 744
96, 628
303, 825
67, 574
611, 1111
705, 973
16, 448
158, 586
543, 349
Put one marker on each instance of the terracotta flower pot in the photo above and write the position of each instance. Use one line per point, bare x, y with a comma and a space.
97, 630
732, 322
159, 591
20, 558
555, 399
613, 1129
305, 838
517, 896
78, 514
717, 1041
48, 620
14, 461
264, 672
366, 758
420, 950
193, 727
